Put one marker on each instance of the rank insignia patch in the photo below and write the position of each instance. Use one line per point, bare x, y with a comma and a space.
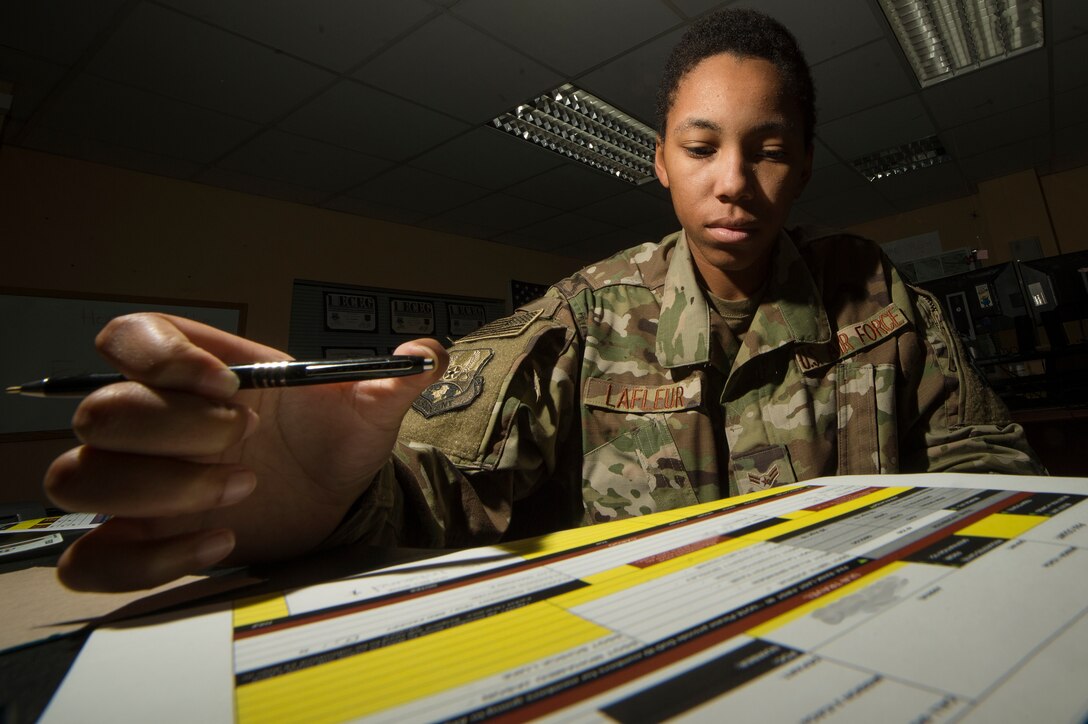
460, 385
764, 480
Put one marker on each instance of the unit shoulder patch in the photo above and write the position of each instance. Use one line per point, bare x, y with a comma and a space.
459, 387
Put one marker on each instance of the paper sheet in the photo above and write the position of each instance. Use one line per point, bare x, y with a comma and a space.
850, 600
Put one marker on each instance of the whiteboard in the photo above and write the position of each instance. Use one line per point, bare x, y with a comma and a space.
52, 334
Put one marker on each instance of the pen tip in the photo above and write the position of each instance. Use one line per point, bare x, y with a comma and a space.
14, 389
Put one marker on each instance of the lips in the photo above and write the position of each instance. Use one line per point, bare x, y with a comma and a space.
730, 231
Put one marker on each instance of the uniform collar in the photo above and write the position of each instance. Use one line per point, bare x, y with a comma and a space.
791, 310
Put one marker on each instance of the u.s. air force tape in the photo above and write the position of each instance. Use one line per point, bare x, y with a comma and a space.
853, 338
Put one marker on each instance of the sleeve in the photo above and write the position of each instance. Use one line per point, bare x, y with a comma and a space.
960, 424
491, 450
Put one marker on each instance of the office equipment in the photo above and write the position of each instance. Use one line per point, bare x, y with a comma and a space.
1057, 287
1023, 323
937, 597
982, 304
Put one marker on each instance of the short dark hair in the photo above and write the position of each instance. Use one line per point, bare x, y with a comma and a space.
746, 33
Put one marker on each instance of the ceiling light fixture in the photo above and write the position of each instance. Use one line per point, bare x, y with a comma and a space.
901, 159
946, 38
582, 127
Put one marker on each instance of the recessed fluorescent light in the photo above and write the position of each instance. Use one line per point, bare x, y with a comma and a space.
901, 159
582, 127
946, 38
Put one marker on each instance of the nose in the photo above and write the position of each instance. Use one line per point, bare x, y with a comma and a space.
732, 176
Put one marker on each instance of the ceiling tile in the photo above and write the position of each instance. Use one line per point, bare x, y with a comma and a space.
1073, 142
569, 186
630, 82
542, 29
358, 207
1068, 18
131, 118
1070, 70
1071, 108
154, 50
200, 78
302, 161
924, 185
657, 228
488, 157
628, 209
868, 76
848, 208
1011, 83
331, 33
372, 121
855, 24
822, 155
424, 192
81, 146
829, 180
693, 8
33, 80
1006, 159
603, 246
59, 30
497, 213
258, 186
477, 78
884, 126
458, 227
999, 129
556, 232
656, 190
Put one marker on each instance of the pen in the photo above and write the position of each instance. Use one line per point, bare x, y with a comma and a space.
257, 375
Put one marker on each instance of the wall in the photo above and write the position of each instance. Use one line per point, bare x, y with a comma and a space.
80, 227
1051, 208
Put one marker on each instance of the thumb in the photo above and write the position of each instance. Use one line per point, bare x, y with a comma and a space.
384, 402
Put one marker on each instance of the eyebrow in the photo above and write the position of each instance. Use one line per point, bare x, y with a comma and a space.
699, 123
705, 124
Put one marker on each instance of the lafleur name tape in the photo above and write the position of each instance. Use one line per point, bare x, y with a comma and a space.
642, 398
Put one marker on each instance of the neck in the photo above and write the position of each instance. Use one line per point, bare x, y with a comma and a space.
733, 284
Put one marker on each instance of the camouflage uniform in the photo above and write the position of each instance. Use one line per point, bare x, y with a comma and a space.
621, 392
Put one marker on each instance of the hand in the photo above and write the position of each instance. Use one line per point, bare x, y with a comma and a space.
196, 472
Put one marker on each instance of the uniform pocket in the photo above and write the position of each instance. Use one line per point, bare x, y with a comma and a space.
638, 472
764, 468
867, 428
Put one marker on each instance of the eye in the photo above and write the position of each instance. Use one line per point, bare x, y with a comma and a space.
700, 151
773, 154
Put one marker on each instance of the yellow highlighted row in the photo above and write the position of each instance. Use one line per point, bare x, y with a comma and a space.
258, 609
378, 680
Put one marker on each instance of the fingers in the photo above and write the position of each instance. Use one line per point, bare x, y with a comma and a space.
384, 402
143, 486
128, 417
126, 555
177, 353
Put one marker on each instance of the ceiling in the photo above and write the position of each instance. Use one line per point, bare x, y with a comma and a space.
379, 107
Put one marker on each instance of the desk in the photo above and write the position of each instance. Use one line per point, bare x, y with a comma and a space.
962, 599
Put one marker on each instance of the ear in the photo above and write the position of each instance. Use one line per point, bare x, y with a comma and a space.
659, 162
